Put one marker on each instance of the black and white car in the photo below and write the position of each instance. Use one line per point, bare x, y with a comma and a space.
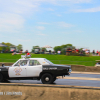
34, 68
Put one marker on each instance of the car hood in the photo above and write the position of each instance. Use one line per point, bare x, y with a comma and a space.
58, 67
62, 65
4, 66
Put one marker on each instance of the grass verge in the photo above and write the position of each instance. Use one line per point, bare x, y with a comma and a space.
56, 59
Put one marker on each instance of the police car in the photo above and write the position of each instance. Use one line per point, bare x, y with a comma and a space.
97, 63
34, 68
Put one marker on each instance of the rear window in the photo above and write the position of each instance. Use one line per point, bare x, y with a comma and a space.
34, 62
48, 61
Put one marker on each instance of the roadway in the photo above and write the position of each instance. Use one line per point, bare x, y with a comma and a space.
75, 79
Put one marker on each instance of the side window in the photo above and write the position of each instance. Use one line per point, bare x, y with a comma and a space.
17, 64
21, 63
36, 62
33, 63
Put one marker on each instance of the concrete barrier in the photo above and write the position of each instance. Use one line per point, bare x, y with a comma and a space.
6, 64
47, 92
82, 68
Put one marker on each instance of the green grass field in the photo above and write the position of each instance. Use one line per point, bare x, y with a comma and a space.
56, 59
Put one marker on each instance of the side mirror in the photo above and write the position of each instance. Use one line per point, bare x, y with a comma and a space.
3, 65
18, 65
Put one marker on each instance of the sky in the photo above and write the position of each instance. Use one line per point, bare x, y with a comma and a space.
50, 22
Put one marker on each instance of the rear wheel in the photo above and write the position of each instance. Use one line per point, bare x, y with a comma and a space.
1, 77
5, 80
47, 78
54, 79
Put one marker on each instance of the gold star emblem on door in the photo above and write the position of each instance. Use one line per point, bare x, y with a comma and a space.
17, 70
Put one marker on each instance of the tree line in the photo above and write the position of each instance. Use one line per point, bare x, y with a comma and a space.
9, 45
63, 48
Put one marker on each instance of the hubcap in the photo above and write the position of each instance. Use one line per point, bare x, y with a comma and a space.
47, 79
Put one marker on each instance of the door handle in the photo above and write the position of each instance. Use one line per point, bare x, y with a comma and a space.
24, 68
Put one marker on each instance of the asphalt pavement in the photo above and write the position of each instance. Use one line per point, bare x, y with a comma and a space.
74, 79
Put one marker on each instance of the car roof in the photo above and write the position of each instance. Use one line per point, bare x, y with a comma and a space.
41, 60
34, 58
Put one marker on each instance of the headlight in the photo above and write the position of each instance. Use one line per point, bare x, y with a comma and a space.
70, 70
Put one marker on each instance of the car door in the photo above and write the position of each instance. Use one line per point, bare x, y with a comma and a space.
19, 69
34, 68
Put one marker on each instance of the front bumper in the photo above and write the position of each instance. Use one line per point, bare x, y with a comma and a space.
69, 71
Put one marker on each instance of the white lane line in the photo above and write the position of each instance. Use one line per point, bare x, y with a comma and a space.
80, 78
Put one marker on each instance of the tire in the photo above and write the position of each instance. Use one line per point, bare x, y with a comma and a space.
5, 80
47, 79
1, 77
54, 79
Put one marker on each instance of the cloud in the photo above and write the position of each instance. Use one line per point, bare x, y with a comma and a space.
13, 14
2, 36
63, 24
24, 40
96, 9
40, 27
66, 32
79, 1
50, 9
31, 6
60, 1
43, 23
10, 22
18, 6
41, 34
59, 15
78, 31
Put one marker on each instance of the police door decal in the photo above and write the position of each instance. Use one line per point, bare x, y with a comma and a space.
17, 71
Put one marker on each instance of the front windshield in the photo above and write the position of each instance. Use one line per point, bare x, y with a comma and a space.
48, 61
21, 63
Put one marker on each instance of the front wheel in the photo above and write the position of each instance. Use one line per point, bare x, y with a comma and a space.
47, 78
